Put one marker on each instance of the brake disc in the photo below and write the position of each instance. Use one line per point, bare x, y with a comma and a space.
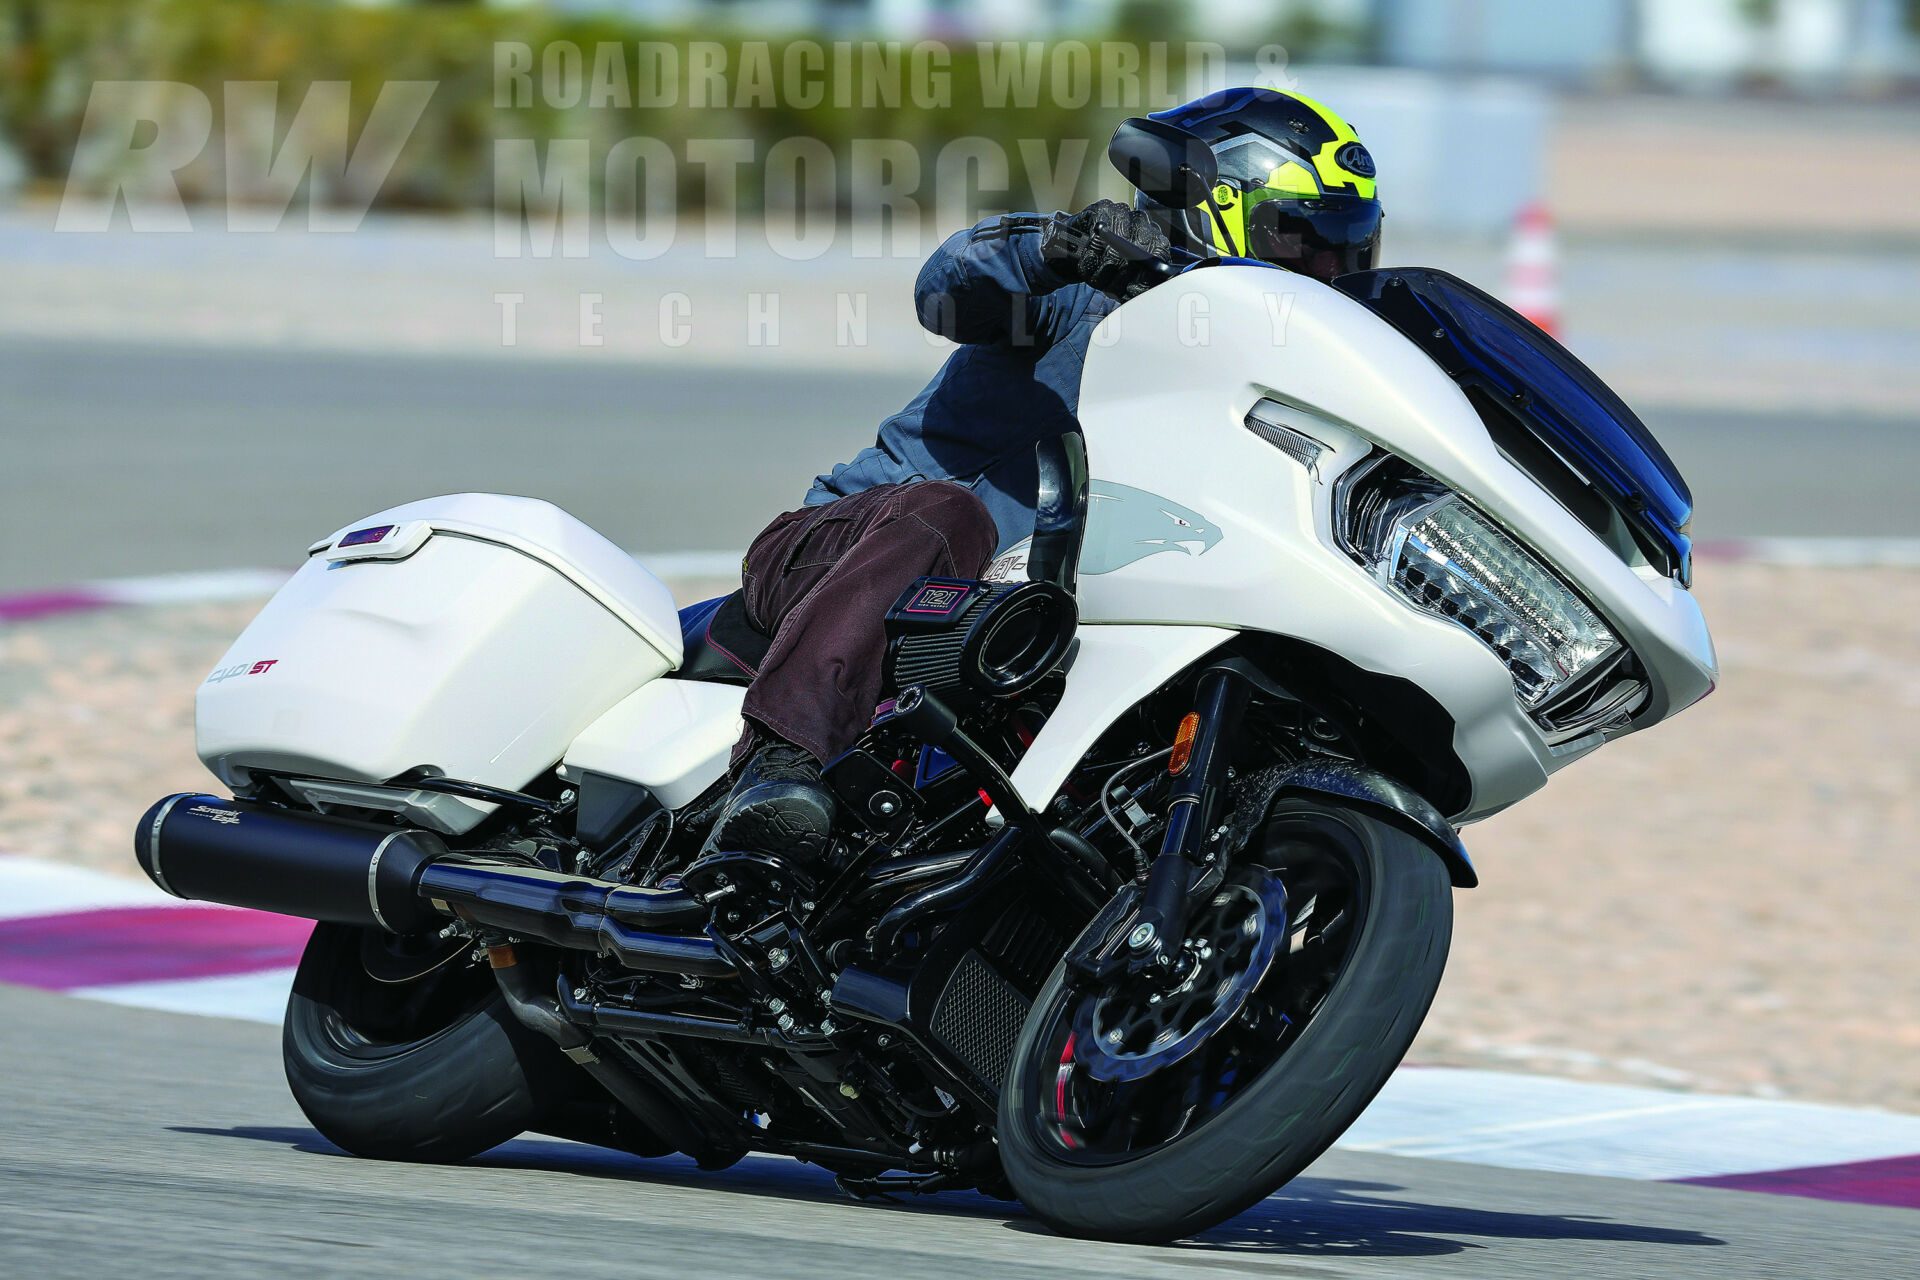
1143, 1025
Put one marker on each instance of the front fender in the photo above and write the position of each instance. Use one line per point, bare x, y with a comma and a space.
1357, 787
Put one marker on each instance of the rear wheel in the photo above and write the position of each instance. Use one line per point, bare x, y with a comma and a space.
1149, 1111
403, 1048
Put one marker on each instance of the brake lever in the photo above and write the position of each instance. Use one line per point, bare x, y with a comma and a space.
1149, 270
1152, 272
1063, 242
1131, 250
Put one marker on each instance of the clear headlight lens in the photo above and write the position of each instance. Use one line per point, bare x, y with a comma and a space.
1433, 548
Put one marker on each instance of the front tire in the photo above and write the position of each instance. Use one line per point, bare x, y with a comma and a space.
1118, 1162
432, 1068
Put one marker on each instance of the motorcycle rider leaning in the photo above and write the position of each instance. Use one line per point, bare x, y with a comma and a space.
951, 480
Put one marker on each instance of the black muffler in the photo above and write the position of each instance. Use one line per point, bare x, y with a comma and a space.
214, 850
323, 868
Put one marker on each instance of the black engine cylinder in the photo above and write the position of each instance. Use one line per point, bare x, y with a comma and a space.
955, 637
214, 850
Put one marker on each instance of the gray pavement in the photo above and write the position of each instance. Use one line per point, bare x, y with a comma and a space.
145, 1144
120, 460
127, 460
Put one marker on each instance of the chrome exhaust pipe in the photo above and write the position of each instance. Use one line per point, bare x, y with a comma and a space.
356, 873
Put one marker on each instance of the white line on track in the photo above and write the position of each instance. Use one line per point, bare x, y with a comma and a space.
35, 887
1622, 1131
249, 997
191, 588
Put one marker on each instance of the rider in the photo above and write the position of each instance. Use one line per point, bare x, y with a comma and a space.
951, 480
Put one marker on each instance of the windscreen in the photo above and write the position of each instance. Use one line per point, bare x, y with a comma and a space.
1488, 347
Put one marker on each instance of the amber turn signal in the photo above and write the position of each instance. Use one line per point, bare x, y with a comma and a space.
1183, 743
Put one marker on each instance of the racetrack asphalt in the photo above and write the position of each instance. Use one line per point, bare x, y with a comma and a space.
123, 460
136, 1143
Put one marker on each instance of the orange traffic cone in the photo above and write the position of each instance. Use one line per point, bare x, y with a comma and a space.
1533, 269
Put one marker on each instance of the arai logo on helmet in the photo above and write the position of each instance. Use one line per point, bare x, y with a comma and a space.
241, 669
1355, 158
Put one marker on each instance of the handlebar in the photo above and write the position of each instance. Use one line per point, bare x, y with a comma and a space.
1063, 243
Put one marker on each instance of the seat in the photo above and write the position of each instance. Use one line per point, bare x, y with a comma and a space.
720, 644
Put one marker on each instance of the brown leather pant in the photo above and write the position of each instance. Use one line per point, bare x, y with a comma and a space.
820, 580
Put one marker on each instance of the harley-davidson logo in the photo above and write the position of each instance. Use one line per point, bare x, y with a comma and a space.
225, 817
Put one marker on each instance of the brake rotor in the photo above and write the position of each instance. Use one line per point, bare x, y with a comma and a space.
1145, 1025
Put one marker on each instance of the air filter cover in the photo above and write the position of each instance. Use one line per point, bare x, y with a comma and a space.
955, 636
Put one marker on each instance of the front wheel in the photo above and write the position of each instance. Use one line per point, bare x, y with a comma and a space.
404, 1049
1150, 1110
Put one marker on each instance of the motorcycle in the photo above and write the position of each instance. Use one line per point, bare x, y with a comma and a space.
1142, 878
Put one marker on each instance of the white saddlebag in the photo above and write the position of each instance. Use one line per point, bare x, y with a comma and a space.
473, 636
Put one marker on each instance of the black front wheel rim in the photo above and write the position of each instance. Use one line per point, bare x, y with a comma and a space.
1080, 1118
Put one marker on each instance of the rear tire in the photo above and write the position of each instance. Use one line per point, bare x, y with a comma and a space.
1299, 1103
407, 1072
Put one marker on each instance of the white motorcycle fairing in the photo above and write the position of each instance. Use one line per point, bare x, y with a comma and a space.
1203, 523
673, 737
1113, 668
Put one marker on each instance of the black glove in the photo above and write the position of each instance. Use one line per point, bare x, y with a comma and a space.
1107, 245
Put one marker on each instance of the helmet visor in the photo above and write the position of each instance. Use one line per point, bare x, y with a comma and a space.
1325, 237
1251, 161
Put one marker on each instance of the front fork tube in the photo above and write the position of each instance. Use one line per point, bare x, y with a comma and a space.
1199, 796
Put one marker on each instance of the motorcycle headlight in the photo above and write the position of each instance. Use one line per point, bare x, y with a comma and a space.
1429, 545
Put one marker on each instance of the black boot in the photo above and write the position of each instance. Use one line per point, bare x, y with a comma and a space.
778, 806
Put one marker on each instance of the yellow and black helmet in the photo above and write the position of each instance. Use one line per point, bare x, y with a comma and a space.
1297, 187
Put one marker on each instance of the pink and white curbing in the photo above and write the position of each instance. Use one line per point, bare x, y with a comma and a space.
192, 958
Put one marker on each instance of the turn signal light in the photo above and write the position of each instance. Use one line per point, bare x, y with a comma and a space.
1183, 743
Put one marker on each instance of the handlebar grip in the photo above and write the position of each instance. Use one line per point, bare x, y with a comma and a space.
1063, 243
1060, 241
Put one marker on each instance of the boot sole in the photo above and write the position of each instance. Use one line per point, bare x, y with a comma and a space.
776, 817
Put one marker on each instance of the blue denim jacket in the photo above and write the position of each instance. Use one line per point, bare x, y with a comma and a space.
1014, 381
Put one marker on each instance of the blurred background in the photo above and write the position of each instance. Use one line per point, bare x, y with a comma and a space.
210, 358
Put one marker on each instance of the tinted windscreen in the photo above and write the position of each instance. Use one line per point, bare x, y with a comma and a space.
1569, 410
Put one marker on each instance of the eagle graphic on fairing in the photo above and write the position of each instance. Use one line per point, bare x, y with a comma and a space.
1125, 524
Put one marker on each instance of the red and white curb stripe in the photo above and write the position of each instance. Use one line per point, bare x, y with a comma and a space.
101, 937
1621, 1131
170, 588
